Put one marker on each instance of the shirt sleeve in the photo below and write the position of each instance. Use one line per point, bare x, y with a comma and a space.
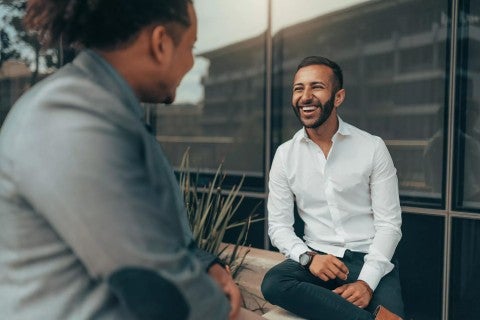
280, 212
387, 217
91, 180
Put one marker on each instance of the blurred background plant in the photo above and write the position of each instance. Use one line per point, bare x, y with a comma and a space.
211, 210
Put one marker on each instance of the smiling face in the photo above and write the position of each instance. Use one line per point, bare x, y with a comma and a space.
315, 97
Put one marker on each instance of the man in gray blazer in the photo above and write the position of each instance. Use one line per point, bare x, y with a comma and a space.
92, 221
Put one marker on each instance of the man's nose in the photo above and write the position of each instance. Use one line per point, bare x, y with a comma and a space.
307, 95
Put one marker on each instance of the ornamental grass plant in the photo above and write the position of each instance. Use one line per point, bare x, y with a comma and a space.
211, 210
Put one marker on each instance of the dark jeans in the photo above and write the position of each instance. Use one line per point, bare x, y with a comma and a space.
295, 289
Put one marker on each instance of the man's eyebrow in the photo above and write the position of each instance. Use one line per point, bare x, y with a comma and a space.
318, 82
310, 83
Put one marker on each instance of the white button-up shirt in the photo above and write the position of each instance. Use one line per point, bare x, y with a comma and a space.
348, 200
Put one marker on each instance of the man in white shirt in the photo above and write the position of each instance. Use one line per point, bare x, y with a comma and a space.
344, 184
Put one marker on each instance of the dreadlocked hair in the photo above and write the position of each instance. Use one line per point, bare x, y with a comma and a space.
102, 24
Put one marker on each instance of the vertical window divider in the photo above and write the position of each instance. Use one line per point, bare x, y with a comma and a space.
268, 114
450, 157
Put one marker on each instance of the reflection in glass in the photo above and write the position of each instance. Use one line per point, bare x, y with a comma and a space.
420, 255
219, 110
393, 55
465, 261
468, 103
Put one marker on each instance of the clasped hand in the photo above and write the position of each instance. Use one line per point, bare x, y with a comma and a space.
328, 267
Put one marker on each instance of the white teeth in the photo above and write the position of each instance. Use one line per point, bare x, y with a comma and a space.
309, 108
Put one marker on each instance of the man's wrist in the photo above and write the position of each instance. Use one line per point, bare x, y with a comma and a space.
370, 291
306, 259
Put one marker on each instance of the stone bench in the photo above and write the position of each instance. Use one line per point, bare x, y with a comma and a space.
257, 262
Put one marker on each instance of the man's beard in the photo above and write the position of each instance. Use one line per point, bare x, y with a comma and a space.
326, 111
168, 100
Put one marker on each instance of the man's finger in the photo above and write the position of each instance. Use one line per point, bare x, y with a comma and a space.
348, 292
337, 272
330, 274
339, 290
323, 276
341, 266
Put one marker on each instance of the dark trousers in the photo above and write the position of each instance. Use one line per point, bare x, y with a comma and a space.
295, 289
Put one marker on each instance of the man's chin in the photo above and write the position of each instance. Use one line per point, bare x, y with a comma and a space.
168, 100
312, 124
165, 100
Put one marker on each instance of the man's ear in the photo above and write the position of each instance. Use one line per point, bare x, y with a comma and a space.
161, 44
339, 97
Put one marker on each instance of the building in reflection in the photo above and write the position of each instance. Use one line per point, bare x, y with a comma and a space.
229, 124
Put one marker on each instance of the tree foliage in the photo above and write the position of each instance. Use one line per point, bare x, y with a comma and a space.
17, 43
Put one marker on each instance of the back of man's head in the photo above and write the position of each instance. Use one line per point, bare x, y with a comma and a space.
103, 24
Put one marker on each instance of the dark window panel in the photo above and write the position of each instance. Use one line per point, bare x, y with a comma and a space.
465, 263
256, 233
420, 255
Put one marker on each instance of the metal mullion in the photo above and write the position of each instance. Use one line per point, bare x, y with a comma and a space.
268, 114
450, 158
424, 211
465, 215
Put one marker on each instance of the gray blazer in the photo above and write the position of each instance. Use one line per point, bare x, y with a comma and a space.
86, 190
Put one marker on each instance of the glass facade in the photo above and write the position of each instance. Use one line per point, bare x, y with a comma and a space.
412, 77
468, 107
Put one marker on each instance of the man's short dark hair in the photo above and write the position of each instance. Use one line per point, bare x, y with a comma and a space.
102, 24
318, 60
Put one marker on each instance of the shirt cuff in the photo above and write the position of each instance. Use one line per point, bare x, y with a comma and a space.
371, 276
297, 251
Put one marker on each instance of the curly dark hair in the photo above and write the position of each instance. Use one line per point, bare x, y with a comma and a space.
102, 24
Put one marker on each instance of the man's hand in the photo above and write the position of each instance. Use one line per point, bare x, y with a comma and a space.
328, 267
223, 278
359, 293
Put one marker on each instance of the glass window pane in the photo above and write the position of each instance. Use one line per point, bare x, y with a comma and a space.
394, 58
468, 104
420, 254
465, 263
219, 110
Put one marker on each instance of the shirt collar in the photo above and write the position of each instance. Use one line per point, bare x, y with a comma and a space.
343, 130
108, 77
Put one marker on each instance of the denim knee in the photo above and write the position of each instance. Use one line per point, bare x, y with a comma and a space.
270, 287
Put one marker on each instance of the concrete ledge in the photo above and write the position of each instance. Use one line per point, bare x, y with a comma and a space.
257, 262
278, 313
